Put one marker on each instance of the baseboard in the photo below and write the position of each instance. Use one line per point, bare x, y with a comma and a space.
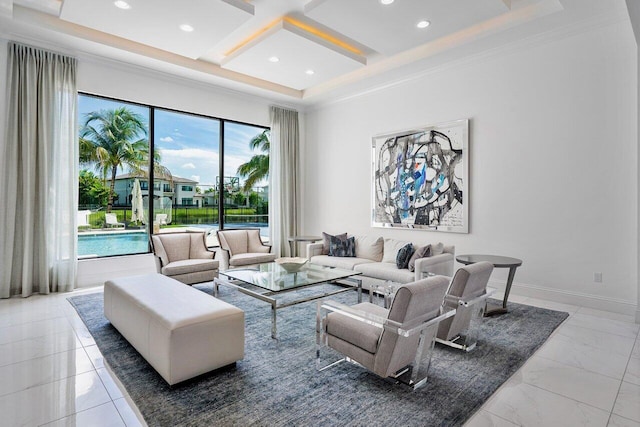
575, 298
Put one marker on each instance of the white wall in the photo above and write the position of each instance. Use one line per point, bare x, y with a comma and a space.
633, 7
122, 81
553, 160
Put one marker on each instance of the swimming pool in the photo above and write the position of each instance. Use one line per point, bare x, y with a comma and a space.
109, 244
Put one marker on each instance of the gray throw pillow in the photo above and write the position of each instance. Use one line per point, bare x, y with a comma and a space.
326, 241
421, 252
342, 248
404, 255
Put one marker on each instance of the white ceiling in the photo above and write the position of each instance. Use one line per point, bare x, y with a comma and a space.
346, 43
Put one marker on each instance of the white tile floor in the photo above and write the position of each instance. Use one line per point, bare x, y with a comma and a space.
52, 373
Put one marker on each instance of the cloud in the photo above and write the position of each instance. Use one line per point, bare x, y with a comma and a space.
195, 178
166, 139
190, 153
189, 166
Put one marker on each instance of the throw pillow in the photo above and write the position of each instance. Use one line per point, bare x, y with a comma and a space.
404, 255
421, 252
326, 241
369, 247
342, 248
437, 249
391, 248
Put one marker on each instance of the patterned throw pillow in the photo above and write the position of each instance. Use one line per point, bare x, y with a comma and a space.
342, 248
421, 252
326, 241
404, 255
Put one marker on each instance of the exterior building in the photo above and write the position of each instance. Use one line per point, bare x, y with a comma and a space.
181, 191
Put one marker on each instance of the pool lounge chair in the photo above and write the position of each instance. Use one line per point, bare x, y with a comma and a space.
83, 220
111, 220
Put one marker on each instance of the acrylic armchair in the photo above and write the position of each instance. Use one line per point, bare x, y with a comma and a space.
468, 295
395, 343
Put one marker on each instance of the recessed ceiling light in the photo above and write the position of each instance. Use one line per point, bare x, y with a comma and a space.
122, 4
186, 28
386, 2
274, 59
423, 24
310, 72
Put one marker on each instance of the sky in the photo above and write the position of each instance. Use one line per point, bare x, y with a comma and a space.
188, 144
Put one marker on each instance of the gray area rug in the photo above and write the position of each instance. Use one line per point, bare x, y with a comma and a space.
276, 384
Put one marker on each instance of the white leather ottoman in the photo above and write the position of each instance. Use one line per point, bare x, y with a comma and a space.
182, 332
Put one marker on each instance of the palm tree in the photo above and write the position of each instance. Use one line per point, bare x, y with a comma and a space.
257, 168
112, 139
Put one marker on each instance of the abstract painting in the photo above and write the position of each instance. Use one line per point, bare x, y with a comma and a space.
420, 178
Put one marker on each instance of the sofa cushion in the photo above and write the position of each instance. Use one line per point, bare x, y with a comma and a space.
339, 262
391, 248
421, 252
437, 249
326, 241
369, 247
342, 248
189, 266
404, 255
385, 271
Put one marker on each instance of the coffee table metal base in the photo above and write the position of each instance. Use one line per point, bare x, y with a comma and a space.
266, 296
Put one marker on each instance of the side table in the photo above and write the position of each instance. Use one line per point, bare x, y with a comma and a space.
293, 240
498, 262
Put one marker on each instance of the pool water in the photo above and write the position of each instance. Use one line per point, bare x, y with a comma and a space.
102, 244
108, 244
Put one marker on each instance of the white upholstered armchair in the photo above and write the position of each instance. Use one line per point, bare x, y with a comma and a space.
184, 257
242, 247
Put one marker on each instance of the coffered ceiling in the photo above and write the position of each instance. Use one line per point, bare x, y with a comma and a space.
295, 48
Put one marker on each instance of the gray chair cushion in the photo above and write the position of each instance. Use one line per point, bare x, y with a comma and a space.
413, 304
356, 332
189, 266
250, 258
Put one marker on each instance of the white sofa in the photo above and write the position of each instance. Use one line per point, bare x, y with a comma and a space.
376, 260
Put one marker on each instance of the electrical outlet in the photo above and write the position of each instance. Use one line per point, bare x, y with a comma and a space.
597, 277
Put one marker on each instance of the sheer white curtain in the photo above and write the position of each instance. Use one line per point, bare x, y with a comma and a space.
283, 178
39, 172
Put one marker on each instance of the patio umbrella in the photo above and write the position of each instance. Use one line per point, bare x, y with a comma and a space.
137, 210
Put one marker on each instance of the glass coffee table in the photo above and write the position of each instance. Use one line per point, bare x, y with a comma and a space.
265, 281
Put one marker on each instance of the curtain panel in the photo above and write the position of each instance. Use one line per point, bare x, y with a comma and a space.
283, 178
38, 248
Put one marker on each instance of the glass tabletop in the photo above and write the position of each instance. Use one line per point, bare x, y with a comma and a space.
275, 278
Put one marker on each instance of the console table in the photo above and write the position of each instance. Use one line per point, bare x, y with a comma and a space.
498, 262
